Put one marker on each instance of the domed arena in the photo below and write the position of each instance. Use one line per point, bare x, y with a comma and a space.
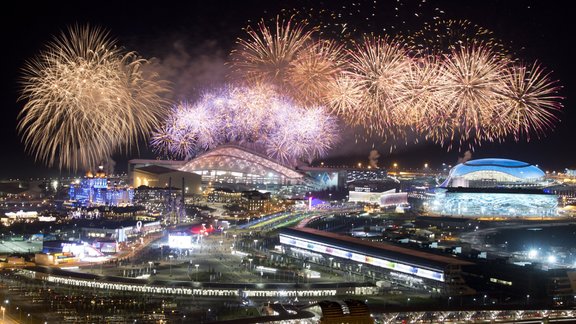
483, 173
494, 188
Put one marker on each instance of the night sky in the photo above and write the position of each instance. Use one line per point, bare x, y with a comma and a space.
193, 40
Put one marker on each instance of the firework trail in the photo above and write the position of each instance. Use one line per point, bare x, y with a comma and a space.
444, 36
86, 99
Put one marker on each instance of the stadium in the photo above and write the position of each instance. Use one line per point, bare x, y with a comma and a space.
403, 266
494, 188
233, 164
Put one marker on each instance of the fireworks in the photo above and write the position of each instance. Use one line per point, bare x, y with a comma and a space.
451, 82
314, 68
446, 36
86, 99
378, 66
471, 79
266, 55
284, 130
530, 100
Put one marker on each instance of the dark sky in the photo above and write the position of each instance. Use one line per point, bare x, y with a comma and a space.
204, 32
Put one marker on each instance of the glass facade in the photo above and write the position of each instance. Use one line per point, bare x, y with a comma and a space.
490, 204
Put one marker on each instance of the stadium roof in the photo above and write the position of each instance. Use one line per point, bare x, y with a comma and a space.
377, 249
237, 159
516, 170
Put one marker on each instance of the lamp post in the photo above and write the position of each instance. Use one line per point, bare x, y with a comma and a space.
150, 263
527, 300
484, 301
196, 265
360, 270
330, 258
170, 258
250, 265
255, 244
449, 300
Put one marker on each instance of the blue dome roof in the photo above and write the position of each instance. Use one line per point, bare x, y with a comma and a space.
517, 169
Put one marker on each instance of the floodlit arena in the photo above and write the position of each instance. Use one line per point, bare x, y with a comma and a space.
494, 188
487, 173
236, 165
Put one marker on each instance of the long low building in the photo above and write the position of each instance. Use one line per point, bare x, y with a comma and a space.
408, 267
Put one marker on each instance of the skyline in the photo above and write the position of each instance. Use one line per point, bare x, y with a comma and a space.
200, 36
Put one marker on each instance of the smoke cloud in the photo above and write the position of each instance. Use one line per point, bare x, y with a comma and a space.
373, 158
467, 156
191, 70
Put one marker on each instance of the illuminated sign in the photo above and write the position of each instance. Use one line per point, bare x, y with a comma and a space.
361, 258
180, 241
500, 281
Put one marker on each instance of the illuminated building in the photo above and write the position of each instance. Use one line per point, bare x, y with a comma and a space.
488, 173
255, 201
494, 188
154, 175
346, 311
235, 165
383, 199
95, 190
412, 268
122, 232
224, 195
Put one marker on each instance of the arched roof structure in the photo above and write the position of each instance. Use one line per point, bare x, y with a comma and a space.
235, 159
498, 170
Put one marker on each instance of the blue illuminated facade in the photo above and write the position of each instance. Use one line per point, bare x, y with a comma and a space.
94, 191
494, 188
494, 204
494, 173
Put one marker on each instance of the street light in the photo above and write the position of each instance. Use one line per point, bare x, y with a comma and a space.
527, 299
250, 267
485, 299
150, 263
170, 257
196, 265
330, 258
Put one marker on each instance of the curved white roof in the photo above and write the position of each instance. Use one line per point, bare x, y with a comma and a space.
237, 159
509, 170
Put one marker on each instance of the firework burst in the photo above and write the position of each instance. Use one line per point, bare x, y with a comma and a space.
314, 69
377, 66
254, 117
471, 82
266, 55
86, 99
530, 101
